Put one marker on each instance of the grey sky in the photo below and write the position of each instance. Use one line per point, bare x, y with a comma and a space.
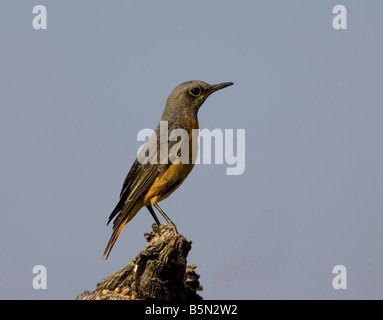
74, 96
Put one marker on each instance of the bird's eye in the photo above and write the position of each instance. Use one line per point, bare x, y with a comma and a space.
195, 91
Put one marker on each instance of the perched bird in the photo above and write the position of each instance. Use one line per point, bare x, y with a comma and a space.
148, 183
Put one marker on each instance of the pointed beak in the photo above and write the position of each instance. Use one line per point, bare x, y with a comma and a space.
219, 86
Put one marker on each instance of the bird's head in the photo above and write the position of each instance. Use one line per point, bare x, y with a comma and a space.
186, 99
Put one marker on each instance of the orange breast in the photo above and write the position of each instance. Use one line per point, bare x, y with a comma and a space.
193, 145
191, 124
177, 172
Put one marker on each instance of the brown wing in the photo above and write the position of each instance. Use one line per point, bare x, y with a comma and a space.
140, 178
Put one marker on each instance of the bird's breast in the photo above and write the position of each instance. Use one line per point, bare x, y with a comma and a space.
177, 172
193, 131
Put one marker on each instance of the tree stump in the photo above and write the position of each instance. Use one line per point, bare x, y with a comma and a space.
159, 272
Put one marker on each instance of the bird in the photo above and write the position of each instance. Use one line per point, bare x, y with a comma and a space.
149, 183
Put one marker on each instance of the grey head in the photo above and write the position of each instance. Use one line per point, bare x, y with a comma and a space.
186, 99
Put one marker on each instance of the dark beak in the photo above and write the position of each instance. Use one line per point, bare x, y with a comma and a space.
219, 86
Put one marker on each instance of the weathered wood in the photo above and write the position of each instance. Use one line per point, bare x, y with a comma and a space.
158, 272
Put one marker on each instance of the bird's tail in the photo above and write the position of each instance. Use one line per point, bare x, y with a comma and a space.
112, 240
122, 219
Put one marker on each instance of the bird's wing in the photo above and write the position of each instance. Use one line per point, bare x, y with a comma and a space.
141, 176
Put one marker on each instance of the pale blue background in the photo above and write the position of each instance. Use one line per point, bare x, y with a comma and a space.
73, 98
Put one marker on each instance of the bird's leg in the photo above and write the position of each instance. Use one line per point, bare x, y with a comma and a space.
171, 224
150, 208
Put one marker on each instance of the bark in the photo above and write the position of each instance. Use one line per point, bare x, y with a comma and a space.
158, 272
